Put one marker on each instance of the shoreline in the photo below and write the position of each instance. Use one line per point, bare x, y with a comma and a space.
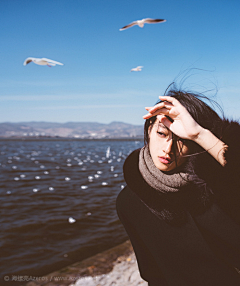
29, 139
115, 266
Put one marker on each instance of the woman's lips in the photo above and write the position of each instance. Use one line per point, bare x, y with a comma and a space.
165, 160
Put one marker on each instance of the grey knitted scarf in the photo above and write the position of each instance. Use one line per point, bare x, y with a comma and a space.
158, 180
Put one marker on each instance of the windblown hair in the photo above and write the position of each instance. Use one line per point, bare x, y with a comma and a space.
201, 112
199, 199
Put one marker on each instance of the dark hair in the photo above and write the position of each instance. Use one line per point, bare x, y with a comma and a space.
201, 112
170, 209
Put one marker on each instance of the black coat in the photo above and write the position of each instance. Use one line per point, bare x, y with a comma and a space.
203, 247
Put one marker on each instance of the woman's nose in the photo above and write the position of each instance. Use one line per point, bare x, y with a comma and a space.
168, 146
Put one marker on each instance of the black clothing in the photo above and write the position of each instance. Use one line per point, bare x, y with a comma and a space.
202, 248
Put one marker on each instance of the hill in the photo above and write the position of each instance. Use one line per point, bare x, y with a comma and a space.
82, 130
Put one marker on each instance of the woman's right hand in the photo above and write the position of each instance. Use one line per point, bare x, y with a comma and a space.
184, 126
182, 123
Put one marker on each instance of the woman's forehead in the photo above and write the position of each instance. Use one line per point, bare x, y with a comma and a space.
160, 124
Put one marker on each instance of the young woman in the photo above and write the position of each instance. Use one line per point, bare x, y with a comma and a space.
181, 205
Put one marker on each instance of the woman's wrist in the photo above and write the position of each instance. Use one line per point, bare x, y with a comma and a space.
212, 144
201, 136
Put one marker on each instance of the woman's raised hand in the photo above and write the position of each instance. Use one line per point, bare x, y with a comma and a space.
181, 124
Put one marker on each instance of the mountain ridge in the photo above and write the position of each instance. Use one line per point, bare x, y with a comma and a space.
114, 129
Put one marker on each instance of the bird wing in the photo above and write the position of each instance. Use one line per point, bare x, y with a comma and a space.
139, 67
153, 21
128, 26
51, 62
27, 61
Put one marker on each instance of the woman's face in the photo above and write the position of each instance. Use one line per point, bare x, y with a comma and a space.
163, 146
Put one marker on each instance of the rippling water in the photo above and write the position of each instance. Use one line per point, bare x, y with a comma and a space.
58, 202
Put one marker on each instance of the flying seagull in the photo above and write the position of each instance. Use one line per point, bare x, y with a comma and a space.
138, 68
41, 62
141, 23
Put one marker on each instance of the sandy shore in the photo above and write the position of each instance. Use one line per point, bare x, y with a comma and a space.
114, 267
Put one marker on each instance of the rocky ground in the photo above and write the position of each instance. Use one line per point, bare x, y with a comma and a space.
125, 272
114, 267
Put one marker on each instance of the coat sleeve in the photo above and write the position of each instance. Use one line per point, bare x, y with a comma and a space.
231, 136
147, 265
218, 177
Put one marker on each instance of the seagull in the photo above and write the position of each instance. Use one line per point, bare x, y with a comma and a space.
71, 220
141, 23
41, 62
108, 152
138, 68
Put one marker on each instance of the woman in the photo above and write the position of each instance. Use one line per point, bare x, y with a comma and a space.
181, 205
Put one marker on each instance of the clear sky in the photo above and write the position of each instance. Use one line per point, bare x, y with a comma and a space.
95, 83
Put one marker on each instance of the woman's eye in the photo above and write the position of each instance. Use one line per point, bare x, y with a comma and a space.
161, 134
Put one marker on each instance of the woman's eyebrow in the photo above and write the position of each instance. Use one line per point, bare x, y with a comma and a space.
162, 125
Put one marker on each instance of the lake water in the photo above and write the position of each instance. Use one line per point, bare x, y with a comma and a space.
58, 202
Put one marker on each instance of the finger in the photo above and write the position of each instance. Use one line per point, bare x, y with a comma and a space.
148, 108
157, 112
164, 120
170, 99
147, 116
160, 106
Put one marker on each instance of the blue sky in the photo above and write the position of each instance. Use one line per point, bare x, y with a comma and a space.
95, 84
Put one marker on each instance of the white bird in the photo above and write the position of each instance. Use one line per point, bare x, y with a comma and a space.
141, 23
108, 152
41, 62
71, 220
138, 68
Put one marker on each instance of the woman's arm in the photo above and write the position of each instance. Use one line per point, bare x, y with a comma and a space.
213, 145
184, 126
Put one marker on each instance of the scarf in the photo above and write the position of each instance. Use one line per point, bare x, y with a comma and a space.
157, 179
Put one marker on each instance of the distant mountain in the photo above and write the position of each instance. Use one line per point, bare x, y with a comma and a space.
71, 130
